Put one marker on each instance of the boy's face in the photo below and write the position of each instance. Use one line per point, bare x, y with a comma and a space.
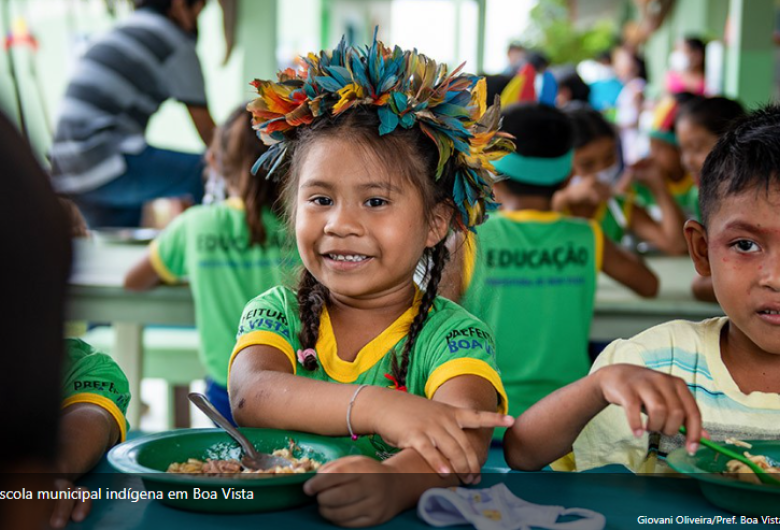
740, 249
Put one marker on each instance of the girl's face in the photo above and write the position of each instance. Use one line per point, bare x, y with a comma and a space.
598, 155
361, 228
667, 156
696, 142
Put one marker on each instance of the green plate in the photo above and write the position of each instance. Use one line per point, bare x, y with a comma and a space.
741, 498
149, 457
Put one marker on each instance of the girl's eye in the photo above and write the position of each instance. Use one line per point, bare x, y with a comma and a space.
322, 201
745, 245
375, 202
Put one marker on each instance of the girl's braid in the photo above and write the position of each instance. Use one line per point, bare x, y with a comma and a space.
312, 296
438, 258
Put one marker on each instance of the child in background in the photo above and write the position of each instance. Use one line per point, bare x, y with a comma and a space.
721, 374
700, 123
385, 158
663, 163
228, 251
590, 193
530, 273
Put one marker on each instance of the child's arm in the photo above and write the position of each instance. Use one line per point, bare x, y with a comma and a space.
546, 431
627, 268
359, 491
142, 276
667, 235
87, 431
265, 393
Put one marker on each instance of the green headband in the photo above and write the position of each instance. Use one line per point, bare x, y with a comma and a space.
665, 136
534, 170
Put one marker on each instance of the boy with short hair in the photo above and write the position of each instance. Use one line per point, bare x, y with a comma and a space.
721, 374
530, 273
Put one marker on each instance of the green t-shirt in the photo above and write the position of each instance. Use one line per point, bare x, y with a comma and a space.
531, 276
209, 245
93, 377
452, 342
685, 193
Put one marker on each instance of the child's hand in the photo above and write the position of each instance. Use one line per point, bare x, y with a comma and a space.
435, 430
587, 192
66, 510
665, 399
646, 172
355, 491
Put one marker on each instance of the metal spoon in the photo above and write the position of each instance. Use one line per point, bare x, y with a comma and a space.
252, 459
764, 476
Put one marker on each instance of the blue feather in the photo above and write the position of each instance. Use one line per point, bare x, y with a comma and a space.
400, 100
388, 120
340, 74
407, 120
328, 83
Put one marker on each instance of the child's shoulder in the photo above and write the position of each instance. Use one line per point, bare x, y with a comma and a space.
536, 217
670, 340
450, 318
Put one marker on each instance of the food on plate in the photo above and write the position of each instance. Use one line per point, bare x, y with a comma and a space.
232, 467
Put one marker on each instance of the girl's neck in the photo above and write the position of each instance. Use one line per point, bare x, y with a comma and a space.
356, 322
394, 300
751, 368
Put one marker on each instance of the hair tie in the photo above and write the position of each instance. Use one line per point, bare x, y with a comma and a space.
303, 355
396, 386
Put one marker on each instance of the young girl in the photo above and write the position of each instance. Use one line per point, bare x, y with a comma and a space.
384, 152
228, 251
699, 124
590, 194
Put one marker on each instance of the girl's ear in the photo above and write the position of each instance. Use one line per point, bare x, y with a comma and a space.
439, 224
696, 237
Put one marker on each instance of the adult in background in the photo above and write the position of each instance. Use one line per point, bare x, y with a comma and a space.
100, 157
686, 65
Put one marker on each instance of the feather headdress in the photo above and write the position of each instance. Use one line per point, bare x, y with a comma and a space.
409, 90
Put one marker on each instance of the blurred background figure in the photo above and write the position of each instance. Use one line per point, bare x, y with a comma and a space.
687, 67
100, 158
516, 56
571, 87
632, 73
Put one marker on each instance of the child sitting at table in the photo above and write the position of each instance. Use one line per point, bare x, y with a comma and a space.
528, 263
663, 164
721, 374
700, 122
384, 153
228, 251
591, 194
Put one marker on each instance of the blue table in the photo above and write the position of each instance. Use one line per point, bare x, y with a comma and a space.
621, 496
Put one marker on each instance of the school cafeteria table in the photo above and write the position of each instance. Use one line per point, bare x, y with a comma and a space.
621, 496
96, 295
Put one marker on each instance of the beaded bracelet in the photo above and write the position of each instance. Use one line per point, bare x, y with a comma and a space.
349, 411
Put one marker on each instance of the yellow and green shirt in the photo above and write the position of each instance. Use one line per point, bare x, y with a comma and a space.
93, 377
451, 343
531, 276
209, 246
691, 351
